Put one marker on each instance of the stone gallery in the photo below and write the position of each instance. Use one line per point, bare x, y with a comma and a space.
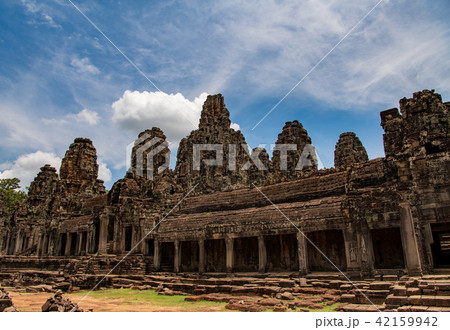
365, 217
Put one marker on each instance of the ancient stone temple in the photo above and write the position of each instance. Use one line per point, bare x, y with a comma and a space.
349, 150
378, 216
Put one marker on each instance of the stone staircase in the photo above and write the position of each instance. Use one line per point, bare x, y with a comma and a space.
236, 284
430, 293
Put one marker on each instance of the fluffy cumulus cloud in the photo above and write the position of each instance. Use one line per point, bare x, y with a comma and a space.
84, 65
173, 113
235, 126
104, 172
87, 116
27, 166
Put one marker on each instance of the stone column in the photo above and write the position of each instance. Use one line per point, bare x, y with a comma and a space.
44, 246
141, 247
40, 244
262, 254
351, 248
157, 256
87, 243
409, 240
366, 251
302, 254
79, 243
177, 257
8, 238
18, 242
103, 235
50, 244
68, 244
117, 247
229, 254
58, 248
427, 235
201, 256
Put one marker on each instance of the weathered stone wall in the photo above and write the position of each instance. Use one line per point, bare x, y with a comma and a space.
226, 224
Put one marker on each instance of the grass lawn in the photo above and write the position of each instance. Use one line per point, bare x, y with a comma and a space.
152, 298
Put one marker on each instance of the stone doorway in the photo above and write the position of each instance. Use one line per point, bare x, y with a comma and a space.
441, 245
331, 243
167, 256
215, 255
73, 244
282, 254
246, 254
189, 256
128, 237
387, 248
150, 250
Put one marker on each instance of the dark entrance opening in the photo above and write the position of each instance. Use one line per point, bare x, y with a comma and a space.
441, 245
167, 256
246, 254
215, 255
331, 243
62, 250
128, 234
282, 254
150, 247
110, 235
73, 244
189, 256
387, 248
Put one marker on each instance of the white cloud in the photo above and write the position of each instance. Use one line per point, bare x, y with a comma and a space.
39, 13
54, 121
84, 65
235, 126
5, 166
266, 49
27, 166
104, 172
87, 116
174, 114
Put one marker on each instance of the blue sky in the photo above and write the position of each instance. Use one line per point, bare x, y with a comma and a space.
60, 78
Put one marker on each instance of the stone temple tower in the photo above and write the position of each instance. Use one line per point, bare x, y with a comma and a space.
79, 168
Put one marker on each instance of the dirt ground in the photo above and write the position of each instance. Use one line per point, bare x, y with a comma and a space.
32, 302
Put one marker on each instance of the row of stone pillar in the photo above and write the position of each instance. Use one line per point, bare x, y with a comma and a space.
229, 263
357, 241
